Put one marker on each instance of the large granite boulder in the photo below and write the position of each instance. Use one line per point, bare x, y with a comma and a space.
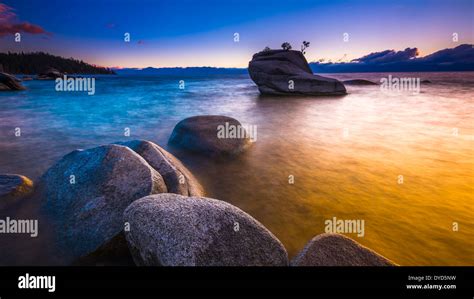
14, 187
174, 230
86, 192
338, 250
9, 82
204, 135
286, 72
177, 177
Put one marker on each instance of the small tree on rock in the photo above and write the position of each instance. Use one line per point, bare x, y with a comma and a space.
304, 46
286, 46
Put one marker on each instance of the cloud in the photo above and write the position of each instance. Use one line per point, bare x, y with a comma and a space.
25, 27
10, 25
463, 53
460, 58
6, 13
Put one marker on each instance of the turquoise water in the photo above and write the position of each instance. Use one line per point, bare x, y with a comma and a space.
54, 123
346, 155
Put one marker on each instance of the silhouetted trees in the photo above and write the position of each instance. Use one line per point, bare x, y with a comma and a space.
37, 62
286, 46
304, 46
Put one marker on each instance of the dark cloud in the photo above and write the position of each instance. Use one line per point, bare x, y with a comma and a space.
6, 13
460, 58
25, 27
462, 53
10, 25
389, 56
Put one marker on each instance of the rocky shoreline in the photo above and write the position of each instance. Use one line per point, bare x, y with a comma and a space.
9, 82
135, 203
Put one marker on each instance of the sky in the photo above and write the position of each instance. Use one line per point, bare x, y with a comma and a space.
170, 33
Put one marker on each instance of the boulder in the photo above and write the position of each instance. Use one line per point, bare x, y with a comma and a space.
50, 74
200, 134
9, 82
177, 177
86, 192
338, 250
174, 230
359, 82
286, 72
14, 187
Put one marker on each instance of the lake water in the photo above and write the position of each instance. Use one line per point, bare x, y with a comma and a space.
347, 155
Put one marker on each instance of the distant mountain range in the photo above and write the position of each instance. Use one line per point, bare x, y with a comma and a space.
182, 71
460, 58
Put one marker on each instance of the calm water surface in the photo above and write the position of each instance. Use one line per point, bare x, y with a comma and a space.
346, 154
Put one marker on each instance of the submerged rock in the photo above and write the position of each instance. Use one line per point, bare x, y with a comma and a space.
359, 82
14, 187
174, 230
283, 72
50, 74
9, 82
202, 134
338, 250
86, 192
177, 177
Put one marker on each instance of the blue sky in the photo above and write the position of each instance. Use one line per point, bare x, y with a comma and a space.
198, 33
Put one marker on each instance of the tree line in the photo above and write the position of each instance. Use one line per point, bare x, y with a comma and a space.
38, 62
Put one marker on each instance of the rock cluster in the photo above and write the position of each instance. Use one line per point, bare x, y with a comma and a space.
50, 74
86, 192
9, 82
135, 203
